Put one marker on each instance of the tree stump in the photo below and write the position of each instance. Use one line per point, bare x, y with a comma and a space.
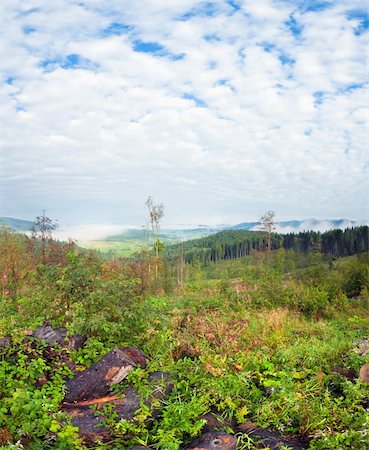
123, 406
214, 441
96, 381
268, 439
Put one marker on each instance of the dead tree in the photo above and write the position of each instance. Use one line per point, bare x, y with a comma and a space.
268, 227
156, 213
42, 230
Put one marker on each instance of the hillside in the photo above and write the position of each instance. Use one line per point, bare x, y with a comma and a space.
119, 354
16, 224
233, 244
133, 240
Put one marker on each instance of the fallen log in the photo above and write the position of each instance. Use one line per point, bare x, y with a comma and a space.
272, 440
96, 381
91, 426
214, 441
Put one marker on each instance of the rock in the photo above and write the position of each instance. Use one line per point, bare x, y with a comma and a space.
90, 425
363, 347
4, 342
348, 373
364, 373
214, 441
59, 336
140, 447
96, 381
268, 439
75, 342
50, 335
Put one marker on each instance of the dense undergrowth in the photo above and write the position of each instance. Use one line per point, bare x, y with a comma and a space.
275, 344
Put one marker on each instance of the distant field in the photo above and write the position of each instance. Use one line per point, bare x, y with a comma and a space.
132, 241
117, 248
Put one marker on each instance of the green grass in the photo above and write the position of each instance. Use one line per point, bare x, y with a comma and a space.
120, 248
132, 241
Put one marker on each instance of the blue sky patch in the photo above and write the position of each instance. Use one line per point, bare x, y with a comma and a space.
318, 6
116, 29
155, 48
208, 9
211, 38
315, 5
319, 97
234, 4
28, 12
48, 65
268, 46
199, 103
285, 59
348, 142
19, 107
294, 26
353, 87
225, 82
9, 80
362, 17
147, 47
75, 61
174, 56
72, 61
28, 29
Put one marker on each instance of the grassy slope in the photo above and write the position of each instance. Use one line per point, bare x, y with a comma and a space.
119, 248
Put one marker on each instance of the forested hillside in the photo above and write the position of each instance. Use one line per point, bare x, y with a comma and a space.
231, 244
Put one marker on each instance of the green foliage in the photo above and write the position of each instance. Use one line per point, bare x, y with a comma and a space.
356, 276
271, 343
102, 313
30, 411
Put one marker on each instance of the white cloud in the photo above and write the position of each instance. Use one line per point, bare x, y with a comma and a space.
234, 114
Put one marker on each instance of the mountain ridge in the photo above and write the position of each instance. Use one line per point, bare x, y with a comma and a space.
186, 233
17, 224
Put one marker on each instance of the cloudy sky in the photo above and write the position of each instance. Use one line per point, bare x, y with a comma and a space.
220, 109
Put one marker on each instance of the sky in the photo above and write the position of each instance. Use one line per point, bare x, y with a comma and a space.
220, 110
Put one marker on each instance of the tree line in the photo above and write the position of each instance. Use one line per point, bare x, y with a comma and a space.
232, 244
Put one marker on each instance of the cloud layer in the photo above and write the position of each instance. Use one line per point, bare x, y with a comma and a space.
220, 110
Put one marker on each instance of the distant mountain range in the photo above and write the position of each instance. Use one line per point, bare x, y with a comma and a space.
284, 227
295, 226
175, 235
